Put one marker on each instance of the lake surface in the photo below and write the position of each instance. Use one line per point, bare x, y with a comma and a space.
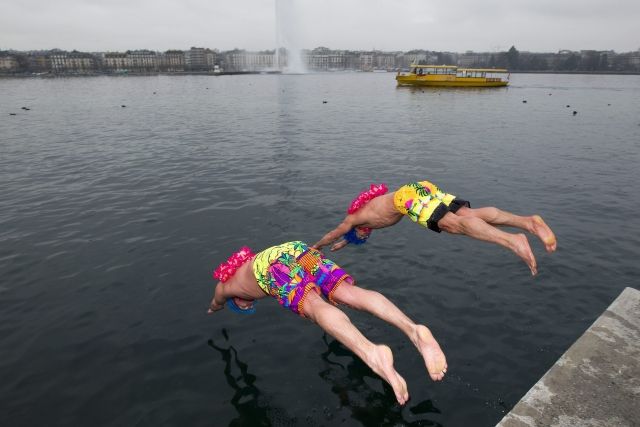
112, 219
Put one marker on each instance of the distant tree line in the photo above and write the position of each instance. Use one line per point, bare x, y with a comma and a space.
585, 60
562, 61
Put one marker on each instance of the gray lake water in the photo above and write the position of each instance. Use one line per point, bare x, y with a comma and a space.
112, 219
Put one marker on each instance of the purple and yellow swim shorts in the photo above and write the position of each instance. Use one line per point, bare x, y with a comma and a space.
288, 272
425, 203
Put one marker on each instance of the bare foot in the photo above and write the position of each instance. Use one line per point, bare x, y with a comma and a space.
544, 233
380, 359
430, 350
520, 245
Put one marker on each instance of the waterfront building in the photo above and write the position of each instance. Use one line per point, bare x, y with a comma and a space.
211, 58
629, 61
8, 64
325, 59
72, 62
241, 60
385, 61
233, 60
365, 61
262, 60
590, 60
142, 61
38, 63
339, 60
115, 62
352, 60
172, 61
195, 60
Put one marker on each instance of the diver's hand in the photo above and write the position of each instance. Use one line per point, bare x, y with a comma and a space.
334, 235
214, 306
339, 245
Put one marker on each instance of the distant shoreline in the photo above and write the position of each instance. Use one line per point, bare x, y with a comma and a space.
132, 74
233, 73
604, 73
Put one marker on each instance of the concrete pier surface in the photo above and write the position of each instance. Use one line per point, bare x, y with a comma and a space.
596, 382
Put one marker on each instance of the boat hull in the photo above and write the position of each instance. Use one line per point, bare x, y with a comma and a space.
449, 81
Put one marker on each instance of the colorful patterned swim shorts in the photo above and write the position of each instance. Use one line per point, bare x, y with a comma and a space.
289, 271
425, 203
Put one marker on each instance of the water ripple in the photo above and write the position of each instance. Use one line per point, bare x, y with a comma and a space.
112, 219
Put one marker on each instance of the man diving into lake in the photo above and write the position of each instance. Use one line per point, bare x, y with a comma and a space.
426, 204
297, 276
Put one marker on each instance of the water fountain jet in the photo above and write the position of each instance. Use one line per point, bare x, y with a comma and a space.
288, 49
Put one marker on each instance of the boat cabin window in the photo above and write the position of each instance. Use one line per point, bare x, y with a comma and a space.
433, 70
472, 73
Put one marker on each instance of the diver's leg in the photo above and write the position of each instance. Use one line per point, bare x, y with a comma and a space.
378, 357
477, 228
533, 224
378, 305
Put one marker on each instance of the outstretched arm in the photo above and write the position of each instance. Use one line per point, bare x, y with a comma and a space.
334, 235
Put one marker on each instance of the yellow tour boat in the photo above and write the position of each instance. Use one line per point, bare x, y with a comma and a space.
452, 76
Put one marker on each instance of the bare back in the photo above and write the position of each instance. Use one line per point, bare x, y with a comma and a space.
378, 213
243, 284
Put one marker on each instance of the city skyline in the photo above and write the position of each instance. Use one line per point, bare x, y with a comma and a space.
116, 25
205, 60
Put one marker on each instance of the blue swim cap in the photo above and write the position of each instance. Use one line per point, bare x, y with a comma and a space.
234, 307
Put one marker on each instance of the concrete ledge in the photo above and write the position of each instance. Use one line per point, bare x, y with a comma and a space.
596, 382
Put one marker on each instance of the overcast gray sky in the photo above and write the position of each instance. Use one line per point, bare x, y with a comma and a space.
459, 25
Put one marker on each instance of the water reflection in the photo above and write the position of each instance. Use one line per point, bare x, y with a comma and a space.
447, 90
370, 405
360, 391
252, 406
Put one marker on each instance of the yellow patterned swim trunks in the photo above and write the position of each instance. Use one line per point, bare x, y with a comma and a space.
425, 203
288, 272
